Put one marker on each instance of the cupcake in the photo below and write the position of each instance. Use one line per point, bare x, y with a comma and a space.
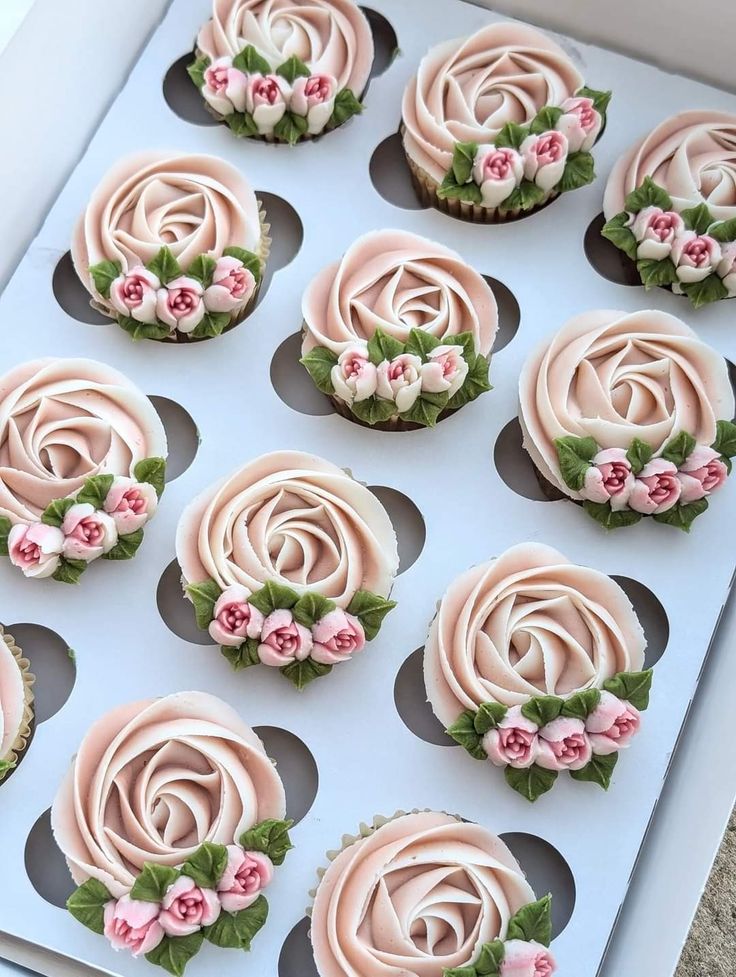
283, 70
498, 124
537, 664
670, 206
288, 562
629, 415
16, 703
172, 247
428, 895
171, 820
82, 466
399, 332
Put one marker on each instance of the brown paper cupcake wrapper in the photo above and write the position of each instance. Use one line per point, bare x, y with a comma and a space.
21, 740
365, 831
426, 189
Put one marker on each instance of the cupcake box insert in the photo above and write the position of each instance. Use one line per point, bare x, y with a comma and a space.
367, 759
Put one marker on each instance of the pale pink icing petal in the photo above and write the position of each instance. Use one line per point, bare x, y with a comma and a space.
616, 376
12, 698
691, 155
153, 780
192, 204
528, 623
420, 894
395, 280
294, 518
64, 420
466, 90
332, 37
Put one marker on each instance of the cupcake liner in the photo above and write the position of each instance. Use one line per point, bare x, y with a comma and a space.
426, 189
21, 741
551, 491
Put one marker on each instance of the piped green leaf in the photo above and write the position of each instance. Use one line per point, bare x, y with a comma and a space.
598, 770
5, 527
697, 219
270, 837
600, 99
273, 596
248, 259
617, 231
725, 442
292, 69
488, 716
421, 343
95, 489
165, 266
679, 448
649, 194
655, 272
373, 410
197, 68
370, 609
530, 782
319, 363
463, 731
610, 518
542, 709
204, 596
383, 347
633, 687
126, 547
579, 172
638, 455
682, 516
235, 931
206, 865
242, 124
174, 952
426, 409
512, 135
524, 197
250, 62
104, 274
152, 471
724, 231
545, 119
243, 656
346, 106
87, 904
153, 881
53, 514
574, 456
463, 160
143, 330
291, 127
581, 704
202, 268
211, 324
69, 571
303, 673
710, 289
532, 923
312, 607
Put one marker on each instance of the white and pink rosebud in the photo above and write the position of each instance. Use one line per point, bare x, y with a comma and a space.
186, 908
234, 619
497, 172
130, 504
609, 478
400, 380
655, 231
267, 99
337, 636
522, 959
513, 742
180, 304
314, 97
445, 370
354, 377
88, 533
695, 256
134, 294
246, 873
224, 87
564, 745
702, 472
612, 724
580, 122
35, 549
544, 158
283, 640
727, 267
132, 924
656, 488
232, 286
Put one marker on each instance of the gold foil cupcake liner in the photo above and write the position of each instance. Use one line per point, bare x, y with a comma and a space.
21, 741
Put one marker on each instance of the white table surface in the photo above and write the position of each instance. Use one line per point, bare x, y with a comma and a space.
698, 798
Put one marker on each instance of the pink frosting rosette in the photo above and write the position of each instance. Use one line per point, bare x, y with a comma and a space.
152, 781
529, 623
16, 702
195, 206
609, 379
417, 896
332, 37
692, 156
467, 90
292, 518
63, 421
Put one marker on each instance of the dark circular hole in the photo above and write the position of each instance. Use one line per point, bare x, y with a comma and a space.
72, 296
407, 520
385, 42
514, 465
53, 664
176, 611
181, 434
410, 698
292, 382
296, 958
390, 174
296, 766
509, 313
651, 614
547, 871
607, 260
45, 864
182, 95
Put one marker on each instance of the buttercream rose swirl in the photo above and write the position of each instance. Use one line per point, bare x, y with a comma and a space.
418, 895
467, 90
154, 780
332, 37
530, 623
691, 156
295, 519
63, 421
615, 377
396, 281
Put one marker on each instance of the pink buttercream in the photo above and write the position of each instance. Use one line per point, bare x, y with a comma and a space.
134, 294
521, 959
612, 724
580, 122
702, 472
35, 549
609, 478
656, 488
246, 873
130, 504
283, 640
233, 286
134, 925
337, 636
513, 742
564, 745
187, 908
12, 696
234, 618
88, 533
